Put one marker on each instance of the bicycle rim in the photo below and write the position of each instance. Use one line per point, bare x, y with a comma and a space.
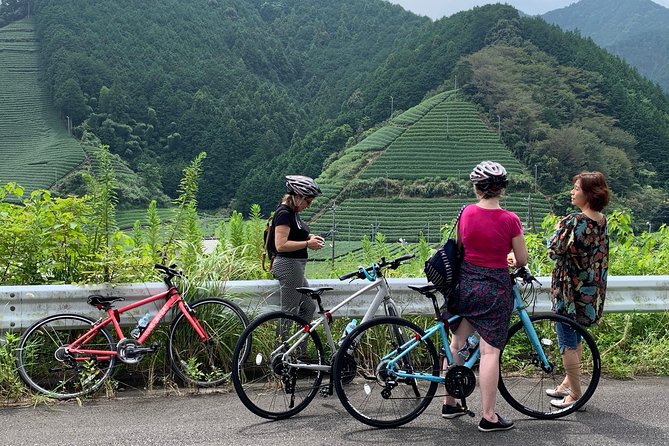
265, 381
206, 363
376, 396
523, 382
45, 366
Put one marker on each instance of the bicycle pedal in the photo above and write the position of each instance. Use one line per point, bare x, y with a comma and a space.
326, 391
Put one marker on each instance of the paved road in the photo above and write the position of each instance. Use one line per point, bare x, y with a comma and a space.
621, 413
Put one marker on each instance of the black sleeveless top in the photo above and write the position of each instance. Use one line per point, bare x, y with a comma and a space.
299, 230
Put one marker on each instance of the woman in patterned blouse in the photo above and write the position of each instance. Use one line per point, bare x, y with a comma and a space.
580, 248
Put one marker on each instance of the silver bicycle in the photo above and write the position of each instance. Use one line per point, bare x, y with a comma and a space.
286, 360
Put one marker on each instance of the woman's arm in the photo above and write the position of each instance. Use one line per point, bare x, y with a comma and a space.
282, 243
562, 238
519, 251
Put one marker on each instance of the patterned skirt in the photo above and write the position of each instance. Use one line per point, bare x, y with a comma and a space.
484, 297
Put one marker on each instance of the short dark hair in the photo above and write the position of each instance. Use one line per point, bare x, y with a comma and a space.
595, 189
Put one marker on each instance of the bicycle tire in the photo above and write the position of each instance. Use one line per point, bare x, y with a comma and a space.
375, 396
45, 366
208, 363
268, 386
523, 382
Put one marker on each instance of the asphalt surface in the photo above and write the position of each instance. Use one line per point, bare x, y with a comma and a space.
620, 413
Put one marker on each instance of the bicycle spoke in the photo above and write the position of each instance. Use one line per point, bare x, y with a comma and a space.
524, 379
266, 382
208, 362
378, 394
47, 367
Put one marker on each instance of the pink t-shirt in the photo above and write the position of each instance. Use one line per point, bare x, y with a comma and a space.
486, 235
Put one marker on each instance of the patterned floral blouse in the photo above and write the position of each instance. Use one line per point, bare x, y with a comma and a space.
580, 248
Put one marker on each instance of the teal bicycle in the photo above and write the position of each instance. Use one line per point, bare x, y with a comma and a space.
398, 368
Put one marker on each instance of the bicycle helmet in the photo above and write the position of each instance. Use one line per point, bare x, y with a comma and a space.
489, 173
301, 185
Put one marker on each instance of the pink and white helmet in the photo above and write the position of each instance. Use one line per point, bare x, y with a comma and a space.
488, 172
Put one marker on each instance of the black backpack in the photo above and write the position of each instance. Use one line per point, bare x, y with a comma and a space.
443, 267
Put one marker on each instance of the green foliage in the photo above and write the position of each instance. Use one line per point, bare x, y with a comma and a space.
47, 239
184, 227
11, 386
44, 239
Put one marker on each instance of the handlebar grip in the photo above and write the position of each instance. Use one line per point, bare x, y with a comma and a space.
166, 269
405, 257
349, 275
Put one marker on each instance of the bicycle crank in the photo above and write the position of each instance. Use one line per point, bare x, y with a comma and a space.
460, 381
131, 352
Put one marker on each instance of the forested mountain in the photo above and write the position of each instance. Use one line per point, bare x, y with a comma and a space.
636, 30
268, 89
241, 80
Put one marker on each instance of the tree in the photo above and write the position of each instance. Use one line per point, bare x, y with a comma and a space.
69, 100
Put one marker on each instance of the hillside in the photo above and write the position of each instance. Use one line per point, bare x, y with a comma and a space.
636, 30
35, 147
269, 89
412, 175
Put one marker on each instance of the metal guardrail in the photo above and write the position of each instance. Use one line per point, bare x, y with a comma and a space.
20, 306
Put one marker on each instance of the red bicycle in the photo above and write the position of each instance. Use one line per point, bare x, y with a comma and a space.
69, 355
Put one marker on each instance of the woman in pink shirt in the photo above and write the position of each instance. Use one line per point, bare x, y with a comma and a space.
484, 297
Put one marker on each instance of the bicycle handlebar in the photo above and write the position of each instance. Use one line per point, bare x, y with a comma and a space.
169, 271
364, 273
524, 274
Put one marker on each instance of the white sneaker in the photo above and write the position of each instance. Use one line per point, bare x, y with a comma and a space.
558, 392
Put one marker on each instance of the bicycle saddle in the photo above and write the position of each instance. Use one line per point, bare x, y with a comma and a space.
97, 300
313, 291
425, 288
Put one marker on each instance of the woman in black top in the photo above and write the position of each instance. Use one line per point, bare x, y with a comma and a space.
292, 240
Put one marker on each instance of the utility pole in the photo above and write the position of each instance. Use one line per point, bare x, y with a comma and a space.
499, 127
334, 230
391, 107
536, 177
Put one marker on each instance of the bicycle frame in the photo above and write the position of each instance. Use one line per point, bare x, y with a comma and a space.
382, 295
440, 328
173, 298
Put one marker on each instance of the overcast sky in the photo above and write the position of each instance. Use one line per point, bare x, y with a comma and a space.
437, 9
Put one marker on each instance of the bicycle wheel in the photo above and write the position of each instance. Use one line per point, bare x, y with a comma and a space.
46, 366
523, 381
266, 382
207, 363
376, 395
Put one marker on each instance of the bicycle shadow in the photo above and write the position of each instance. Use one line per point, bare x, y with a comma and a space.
328, 423
592, 427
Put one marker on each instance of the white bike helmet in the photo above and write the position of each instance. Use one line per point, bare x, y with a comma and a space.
489, 173
301, 185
